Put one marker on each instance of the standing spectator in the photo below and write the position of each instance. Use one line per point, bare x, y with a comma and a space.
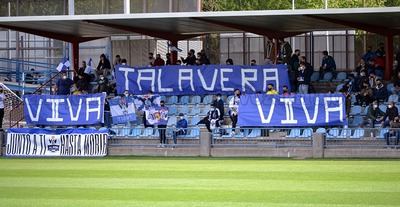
219, 103
380, 91
64, 84
253, 62
285, 51
151, 59
214, 116
102, 85
2, 99
162, 127
375, 115
229, 61
304, 76
190, 59
104, 66
181, 127
395, 131
204, 58
391, 112
159, 61
117, 60
328, 64
234, 107
168, 59
369, 55
271, 90
295, 60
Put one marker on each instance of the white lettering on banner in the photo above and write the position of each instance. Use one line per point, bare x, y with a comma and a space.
126, 71
289, 111
54, 110
261, 112
160, 88
203, 82
91, 110
314, 119
271, 78
185, 78
224, 79
246, 80
328, 109
144, 78
36, 117
76, 117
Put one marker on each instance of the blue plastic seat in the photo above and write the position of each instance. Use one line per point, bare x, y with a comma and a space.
307, 133
296, 132
382, 133
333, 133
356, 121
171, 121
315, 76
172, 110
383, 107
184, 109
254, 133
327, 76
193, 133
208, 99
194, 111
358, 133
345, 133
228, 133
355, 110
136, 132
341, 76
194, 120
390, 87
321, 131
365, 111
124, 131
184, 100
196, 100
394, 98
172, 100
147, 132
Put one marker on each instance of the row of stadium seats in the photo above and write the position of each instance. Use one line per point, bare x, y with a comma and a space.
152, 132
183, 100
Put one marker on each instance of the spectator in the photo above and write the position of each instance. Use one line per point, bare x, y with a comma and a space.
253, 62
214, 117
190, 59
204, 58
346, 93
369, 55
304, 76
394, 131
151, 59
328, 64
285, 51
81, 83
2, 99
107, 114
181, 127
168, 59
64, 84
286, 91
162, 127
30, 77
359, 80
271, 90
380, 52
102, 85
117, 60
234, 107
83, 68
391, 112
159, 61
219, 103
365, 97
104, 66
380, 91
229, 61
374, 115
361, 67
295, 60
372, 80
124, 62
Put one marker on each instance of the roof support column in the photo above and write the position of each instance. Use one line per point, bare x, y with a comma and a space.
174, 53
75, 55
389, 56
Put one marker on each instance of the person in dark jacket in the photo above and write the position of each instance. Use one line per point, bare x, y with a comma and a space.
304, 76
190, 59
394, 131
328, 64
391, 112
375, 115
102, 84
104, 66
64, 84
181, 127
380, 91
159, 61
219, 103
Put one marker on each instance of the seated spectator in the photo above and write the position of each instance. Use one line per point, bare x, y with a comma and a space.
212, 119
380, 52
233, 107
219, 103
359, 80
375, 115
168, 59
229, 61
361, 67
369, 55
365, 96
394, 131
271, 90
30, 77
102, 85
372, 80
151, 59
104, 66
204, 58
253, 62
81, 83
380, 91
159, 61
190, 59
391, 113
286, 91
63, 85
328, 64
181, 127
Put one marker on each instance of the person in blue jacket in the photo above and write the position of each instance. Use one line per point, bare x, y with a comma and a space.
181, 127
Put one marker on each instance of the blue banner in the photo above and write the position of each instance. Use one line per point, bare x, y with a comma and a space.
64, 110
28, 142
200, 80
292, 111
122, 110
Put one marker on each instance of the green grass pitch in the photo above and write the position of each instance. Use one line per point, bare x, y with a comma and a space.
186, 182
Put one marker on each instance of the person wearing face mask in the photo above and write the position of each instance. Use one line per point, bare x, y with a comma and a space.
365, 96
64, 84
162, 127
394, 131
181, 127
271, 90
234, 107
2, 98
102, 85
380, 92
391, 113
213, 117
374, 115
219, 103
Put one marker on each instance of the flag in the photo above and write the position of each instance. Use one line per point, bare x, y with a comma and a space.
63, 65
174, 48
89, 67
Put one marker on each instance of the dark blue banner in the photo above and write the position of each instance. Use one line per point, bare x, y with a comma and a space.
199, 80
64, 110
292, 111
